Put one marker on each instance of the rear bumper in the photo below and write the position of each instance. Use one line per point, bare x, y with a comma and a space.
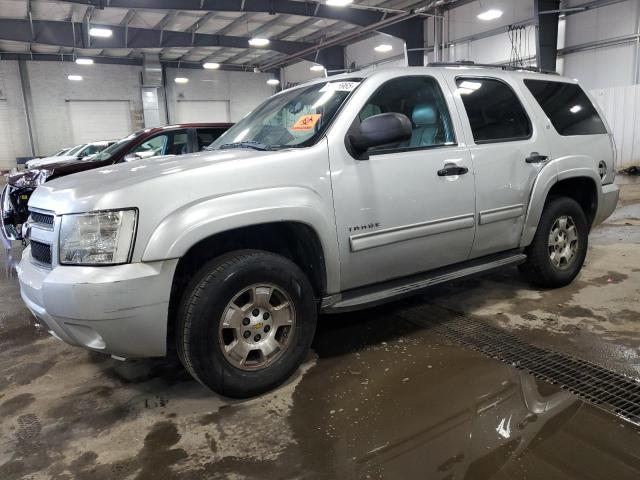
608, 202
120, 310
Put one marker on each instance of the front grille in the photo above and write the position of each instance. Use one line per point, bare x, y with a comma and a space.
42, 219
41, 252
610, 391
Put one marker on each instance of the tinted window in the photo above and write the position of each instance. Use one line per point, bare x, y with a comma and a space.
421, 100
569, 109
206, 136
494, 110
170, 143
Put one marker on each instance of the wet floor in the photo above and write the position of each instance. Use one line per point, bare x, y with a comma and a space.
381, 395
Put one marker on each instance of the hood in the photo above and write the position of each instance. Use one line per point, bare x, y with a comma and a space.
38, 162
121, 185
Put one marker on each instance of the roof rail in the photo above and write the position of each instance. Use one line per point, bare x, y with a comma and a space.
510, 68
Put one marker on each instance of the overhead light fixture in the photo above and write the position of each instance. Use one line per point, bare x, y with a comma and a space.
273, 81
211, 65
84, 61
316, 68
339, 3
490, 14
181, 80
258, 42
100, 32
74, 78
575, 109
385, 47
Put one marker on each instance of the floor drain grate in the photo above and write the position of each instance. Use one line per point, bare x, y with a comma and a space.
608, 390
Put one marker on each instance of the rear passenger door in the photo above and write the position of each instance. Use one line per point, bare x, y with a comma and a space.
507, 149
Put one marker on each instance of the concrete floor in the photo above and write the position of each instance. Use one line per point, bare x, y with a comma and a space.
381, 396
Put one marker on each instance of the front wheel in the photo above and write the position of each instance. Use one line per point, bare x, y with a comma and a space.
247, 321
559, 246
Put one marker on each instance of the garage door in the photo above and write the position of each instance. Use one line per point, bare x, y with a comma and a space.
203, 111
99, 120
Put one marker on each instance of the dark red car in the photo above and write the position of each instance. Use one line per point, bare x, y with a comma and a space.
147, 143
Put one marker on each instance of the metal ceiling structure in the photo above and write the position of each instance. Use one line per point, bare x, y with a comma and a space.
195, 31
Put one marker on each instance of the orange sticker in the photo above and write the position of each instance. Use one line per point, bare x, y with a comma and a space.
307, 122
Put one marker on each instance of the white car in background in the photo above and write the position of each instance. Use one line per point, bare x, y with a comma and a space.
79, 151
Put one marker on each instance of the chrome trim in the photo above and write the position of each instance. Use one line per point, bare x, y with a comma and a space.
502, 213
412, 286
388, 236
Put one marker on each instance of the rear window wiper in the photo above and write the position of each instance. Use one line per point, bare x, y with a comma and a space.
247, 144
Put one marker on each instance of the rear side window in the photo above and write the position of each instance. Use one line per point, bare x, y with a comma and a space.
569, 109
495, 112
206, 136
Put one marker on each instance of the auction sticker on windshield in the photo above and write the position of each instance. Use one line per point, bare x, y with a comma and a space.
340, 87
306, 122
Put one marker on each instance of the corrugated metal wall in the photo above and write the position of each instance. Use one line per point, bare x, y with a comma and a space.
621, 107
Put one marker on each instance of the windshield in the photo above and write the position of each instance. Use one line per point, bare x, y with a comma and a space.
295, 118
75, 150
115, 148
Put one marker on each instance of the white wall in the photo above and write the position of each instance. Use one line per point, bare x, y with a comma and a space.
16, 139
50, 89
243, 90
603, 67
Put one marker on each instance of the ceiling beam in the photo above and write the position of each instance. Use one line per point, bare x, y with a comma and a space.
68, 34
354, 15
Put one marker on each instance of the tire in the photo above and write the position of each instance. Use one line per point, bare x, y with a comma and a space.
229, 291
553, 266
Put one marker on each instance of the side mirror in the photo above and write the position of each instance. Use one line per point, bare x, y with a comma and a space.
380, 130
129, 157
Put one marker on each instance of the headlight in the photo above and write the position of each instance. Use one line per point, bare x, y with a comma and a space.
97, 238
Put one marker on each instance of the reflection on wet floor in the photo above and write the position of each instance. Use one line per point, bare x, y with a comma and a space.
381, 397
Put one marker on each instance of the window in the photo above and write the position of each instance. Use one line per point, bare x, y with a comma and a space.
569, 109
170, 143
421, 100
206, 136
495, 112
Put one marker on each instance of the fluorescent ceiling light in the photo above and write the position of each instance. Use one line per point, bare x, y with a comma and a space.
575, 109
181, 80
490, 14
211, 65
84, 61
467, 85
273, 81
74, 78
339, 3
316, 68
258, 42
385, 47
100, 32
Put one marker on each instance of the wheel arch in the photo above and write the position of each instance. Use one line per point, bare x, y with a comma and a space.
581, 184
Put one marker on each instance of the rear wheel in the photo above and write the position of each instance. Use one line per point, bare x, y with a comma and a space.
559, 247
246, 322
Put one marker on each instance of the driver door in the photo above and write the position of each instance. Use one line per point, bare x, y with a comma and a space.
395, 214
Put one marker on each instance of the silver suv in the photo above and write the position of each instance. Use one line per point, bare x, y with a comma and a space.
334, 195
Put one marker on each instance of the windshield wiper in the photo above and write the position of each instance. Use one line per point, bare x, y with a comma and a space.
246, 144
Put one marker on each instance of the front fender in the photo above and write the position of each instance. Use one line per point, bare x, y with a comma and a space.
194, 222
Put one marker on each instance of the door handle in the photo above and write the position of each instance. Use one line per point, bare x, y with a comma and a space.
452, 170
535, 157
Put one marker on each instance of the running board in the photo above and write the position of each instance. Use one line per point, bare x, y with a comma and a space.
394, 289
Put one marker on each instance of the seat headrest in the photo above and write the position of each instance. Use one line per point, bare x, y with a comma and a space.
369, 111
424, 115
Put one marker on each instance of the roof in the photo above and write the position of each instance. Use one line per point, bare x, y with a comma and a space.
39, 28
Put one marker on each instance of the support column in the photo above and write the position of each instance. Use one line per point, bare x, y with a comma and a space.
412, 32
333, 59
547, 34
